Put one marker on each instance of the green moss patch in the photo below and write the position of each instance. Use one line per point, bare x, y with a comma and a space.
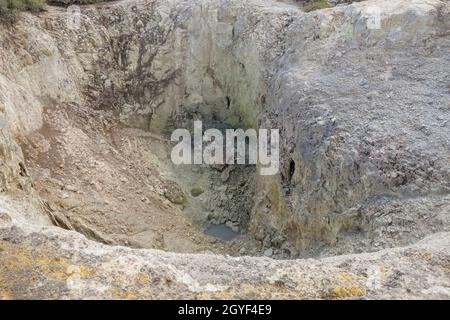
195, 192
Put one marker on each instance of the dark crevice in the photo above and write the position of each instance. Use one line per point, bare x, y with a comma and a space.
291, 170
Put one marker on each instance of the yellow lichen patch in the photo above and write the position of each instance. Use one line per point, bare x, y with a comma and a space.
143, 279
131, 280
346, 277
251, 291
346, 288
5, 296
4, 285
117, 293
86, 272
82, 271
446, 266
222, 295
348, 292
131, 287
22, 258
52, 267
426, 256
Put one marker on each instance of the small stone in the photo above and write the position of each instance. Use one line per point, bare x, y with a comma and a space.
268, 252
226, 174
5, 218
173, 193
71, 188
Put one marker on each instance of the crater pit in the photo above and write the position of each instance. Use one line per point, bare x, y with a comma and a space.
363, 114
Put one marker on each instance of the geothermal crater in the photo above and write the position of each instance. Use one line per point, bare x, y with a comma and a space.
88, 110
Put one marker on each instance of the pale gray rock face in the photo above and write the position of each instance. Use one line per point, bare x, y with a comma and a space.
361, 130
364, 121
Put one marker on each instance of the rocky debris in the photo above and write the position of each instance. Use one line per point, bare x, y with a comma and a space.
174, 193
226, 173
226, 202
